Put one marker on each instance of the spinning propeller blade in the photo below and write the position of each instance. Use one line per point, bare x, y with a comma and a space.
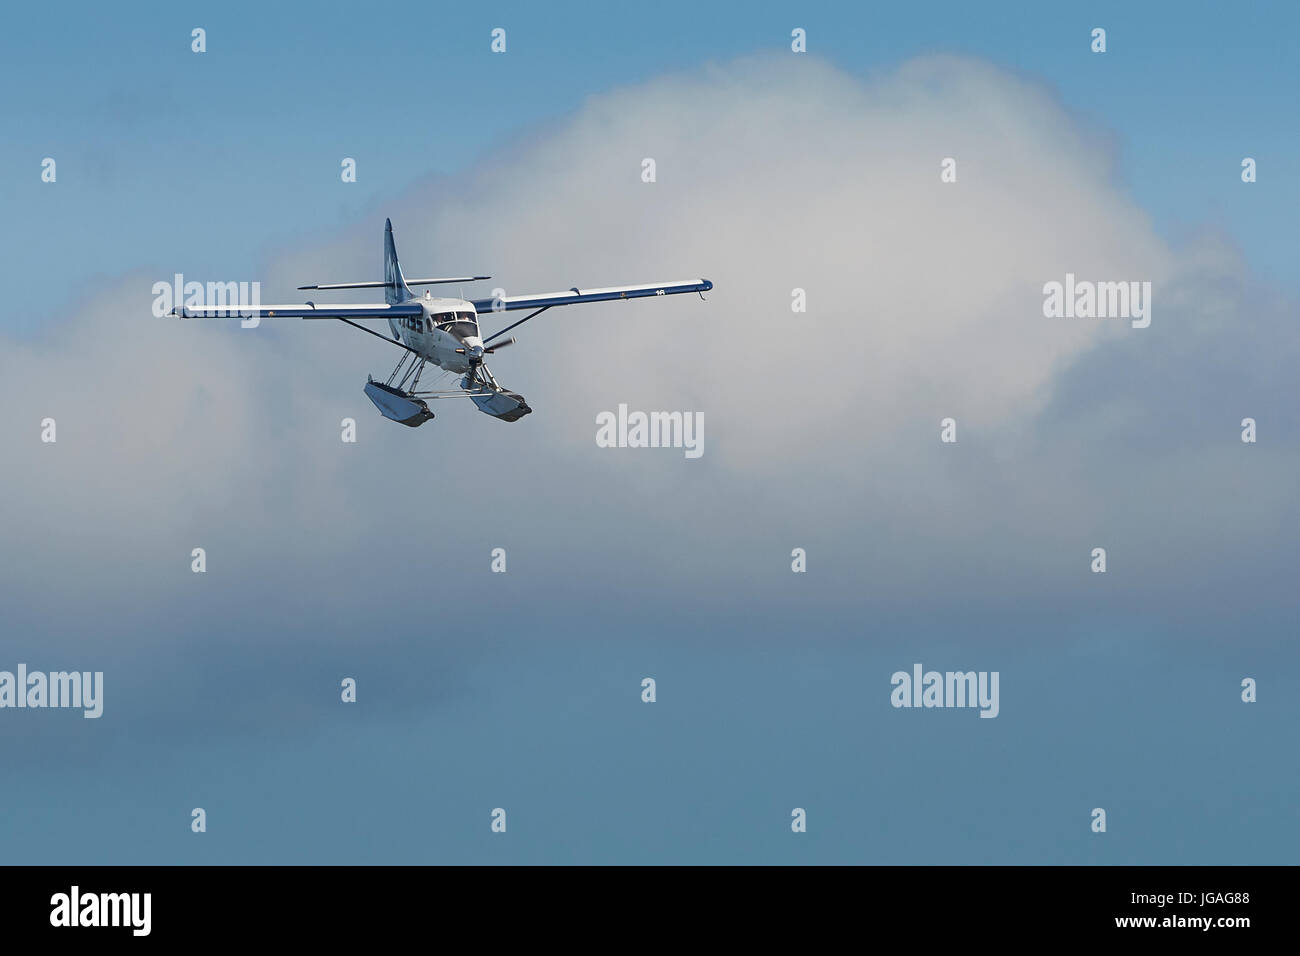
489, 349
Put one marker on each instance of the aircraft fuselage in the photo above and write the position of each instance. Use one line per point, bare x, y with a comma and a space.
445, 326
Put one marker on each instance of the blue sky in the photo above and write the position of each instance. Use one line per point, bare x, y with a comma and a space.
522, 690
248, 136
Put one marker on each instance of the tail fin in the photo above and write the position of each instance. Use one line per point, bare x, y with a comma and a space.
395, 288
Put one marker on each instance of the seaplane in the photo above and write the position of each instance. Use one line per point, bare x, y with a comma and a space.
441, 332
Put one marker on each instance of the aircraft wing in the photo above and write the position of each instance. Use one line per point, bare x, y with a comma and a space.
574, 296
305, 310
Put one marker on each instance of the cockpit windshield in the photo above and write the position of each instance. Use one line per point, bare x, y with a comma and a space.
462, 325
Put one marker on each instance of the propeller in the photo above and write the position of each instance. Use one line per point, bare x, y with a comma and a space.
486, 351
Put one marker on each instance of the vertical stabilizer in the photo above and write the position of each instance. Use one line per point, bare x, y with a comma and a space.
395, 289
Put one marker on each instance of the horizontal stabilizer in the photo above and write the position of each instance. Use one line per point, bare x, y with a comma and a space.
380, 285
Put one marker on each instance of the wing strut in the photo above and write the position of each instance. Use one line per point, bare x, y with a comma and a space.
400, 345
509, 327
